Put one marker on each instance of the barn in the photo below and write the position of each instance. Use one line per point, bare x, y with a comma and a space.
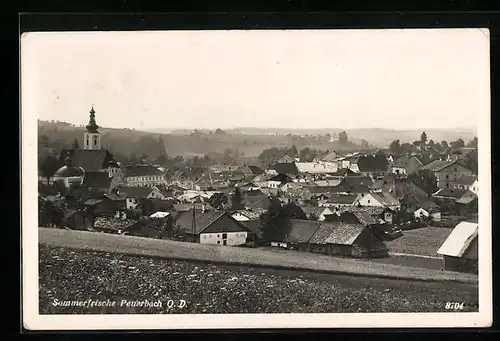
460, 249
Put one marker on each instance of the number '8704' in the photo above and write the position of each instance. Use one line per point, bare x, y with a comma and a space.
454, 306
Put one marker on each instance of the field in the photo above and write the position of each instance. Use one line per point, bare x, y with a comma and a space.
72, 274
425, 241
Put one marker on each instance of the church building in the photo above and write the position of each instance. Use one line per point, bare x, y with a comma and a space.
92, 158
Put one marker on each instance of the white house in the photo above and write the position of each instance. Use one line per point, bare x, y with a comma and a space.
378, 199
422, 212
460, 249
467, 182
143, 176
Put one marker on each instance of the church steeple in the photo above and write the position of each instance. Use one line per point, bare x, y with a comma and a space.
92, 126
92, 137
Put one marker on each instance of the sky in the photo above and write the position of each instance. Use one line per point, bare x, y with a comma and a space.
346, 79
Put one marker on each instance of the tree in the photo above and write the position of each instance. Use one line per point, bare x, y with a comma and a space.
457, 144
49, 167
276, 225
444, 145
75, 144
395, 147
219, 131
343, 138
471, 161
424, 179
218, 200
292, 211
237, 200
472, 143
365, 144
293, 151
423, 138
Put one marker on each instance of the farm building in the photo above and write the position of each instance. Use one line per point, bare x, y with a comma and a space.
213, 227
350, 240
460, 249
316, 213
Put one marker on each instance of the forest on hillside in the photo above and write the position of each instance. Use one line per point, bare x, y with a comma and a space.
129, 143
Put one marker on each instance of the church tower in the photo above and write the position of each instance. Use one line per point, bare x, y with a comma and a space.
92, 137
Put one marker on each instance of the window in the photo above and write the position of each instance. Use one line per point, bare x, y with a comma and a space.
455, 169
447, 177
368, 200
224, 236
218, 242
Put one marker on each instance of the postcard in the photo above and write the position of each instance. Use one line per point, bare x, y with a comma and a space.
256, 179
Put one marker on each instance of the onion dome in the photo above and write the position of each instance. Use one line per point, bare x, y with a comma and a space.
68, 170
92, 126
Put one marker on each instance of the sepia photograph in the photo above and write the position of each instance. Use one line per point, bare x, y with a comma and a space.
256, 179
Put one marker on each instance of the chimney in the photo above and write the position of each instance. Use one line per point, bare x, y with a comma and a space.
124, 216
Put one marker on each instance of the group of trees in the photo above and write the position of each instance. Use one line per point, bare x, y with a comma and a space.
424, 143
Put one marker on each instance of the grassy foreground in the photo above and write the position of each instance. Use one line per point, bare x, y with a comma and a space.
74, 274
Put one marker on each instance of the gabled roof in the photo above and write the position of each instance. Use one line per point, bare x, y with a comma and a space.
385, 198
314, 210
285, 159
466, 180
202, 220
450, 193
262, 202
141, 170
135, 192
256, 170
403, 161
337, 232
281, 178
97, 180
342, 198
439, 165
286, 168
466, 198
90, 160
459, 240
254, 225
301, 231
370, 163
331, 182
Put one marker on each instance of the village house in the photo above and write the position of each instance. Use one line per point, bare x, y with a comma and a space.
134, 193
288, 168
447, 172
316, 168
255, 226
369, 216
347, 240
406, 165
378, 199
467, 204
143, 176
329, 156
100, 182
316, 213
467, 182
290, 186
78, 220
213, 227
460, 249
375, 166
338, 201
245, 215
285, 159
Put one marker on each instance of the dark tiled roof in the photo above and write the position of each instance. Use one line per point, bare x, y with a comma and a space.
385, 198
70, 171
135, 192
261, 202
202, 220
256, 170
91, 160
403, 161
253, 225
466, 180
337, 233
141, 170
353, 184
345, 234
466, 198
342, 198
301, 231
450, 193
370, 163
438, 165
286, 168
281, 177
97, 180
